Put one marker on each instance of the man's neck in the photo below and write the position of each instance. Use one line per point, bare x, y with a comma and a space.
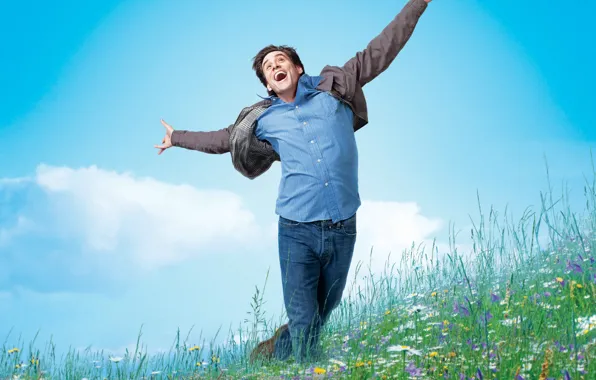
288, 98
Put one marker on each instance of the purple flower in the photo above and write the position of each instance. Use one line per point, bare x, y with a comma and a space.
461, 309
412, 370
566, 373
494, 298
547, 294
488, 316
574, 267
479, 374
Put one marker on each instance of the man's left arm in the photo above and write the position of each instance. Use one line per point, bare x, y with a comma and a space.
382, 50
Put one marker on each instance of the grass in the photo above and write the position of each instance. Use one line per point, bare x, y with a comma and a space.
509, 309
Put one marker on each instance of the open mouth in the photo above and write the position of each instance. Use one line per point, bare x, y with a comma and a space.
280, 75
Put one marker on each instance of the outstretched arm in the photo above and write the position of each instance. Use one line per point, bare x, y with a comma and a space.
213, 142
383, 49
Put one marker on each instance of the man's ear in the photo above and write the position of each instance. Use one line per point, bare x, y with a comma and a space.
300, 70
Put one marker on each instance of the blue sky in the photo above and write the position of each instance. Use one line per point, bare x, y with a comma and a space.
99, 235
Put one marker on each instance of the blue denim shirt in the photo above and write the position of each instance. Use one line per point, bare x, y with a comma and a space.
314, 137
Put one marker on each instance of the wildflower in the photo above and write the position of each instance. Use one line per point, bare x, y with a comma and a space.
479, 374
116, 359
334, 361
388, 312
319, 370
407, 349
194, 348
359, 364
413, 370
433, 354
13, 350
433, 294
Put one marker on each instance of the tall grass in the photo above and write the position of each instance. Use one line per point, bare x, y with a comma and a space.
514, 307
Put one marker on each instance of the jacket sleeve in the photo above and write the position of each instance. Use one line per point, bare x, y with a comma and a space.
383, 49
213, 142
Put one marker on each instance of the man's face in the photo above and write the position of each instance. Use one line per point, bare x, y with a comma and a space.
281, 74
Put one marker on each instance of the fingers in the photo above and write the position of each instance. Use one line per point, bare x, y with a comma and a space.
168, 126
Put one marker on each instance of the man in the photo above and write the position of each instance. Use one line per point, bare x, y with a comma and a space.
307, 123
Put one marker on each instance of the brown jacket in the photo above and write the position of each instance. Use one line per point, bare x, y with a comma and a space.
252, 157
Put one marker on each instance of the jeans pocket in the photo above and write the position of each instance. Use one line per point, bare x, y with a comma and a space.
287, 222
348, 226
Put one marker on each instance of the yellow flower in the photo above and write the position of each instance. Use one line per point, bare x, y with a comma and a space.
433, 354
446, 291
369, 362
433, 294
194, 348
12, 350
559, 279
446, 322
319, 370
388, 312
579, 286
359, 364
452, 354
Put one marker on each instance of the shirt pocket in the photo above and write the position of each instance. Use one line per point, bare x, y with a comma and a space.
327, 104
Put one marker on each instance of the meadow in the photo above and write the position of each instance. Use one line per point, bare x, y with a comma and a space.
514, 307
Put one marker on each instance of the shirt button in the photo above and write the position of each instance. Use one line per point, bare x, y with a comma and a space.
312, 141
305, 123
326, 183
319, 160
296, 106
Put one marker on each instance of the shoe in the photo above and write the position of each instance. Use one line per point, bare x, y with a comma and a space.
265, 349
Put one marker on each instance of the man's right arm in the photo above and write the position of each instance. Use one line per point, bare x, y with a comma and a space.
213, 142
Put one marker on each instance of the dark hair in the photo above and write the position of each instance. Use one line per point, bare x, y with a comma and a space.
258, 60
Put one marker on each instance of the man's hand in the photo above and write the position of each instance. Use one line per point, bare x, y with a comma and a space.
167, 140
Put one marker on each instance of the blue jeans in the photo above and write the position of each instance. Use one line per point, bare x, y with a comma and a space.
315, 259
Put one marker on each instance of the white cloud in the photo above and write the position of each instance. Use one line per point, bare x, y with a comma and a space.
154, 222
388, 228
